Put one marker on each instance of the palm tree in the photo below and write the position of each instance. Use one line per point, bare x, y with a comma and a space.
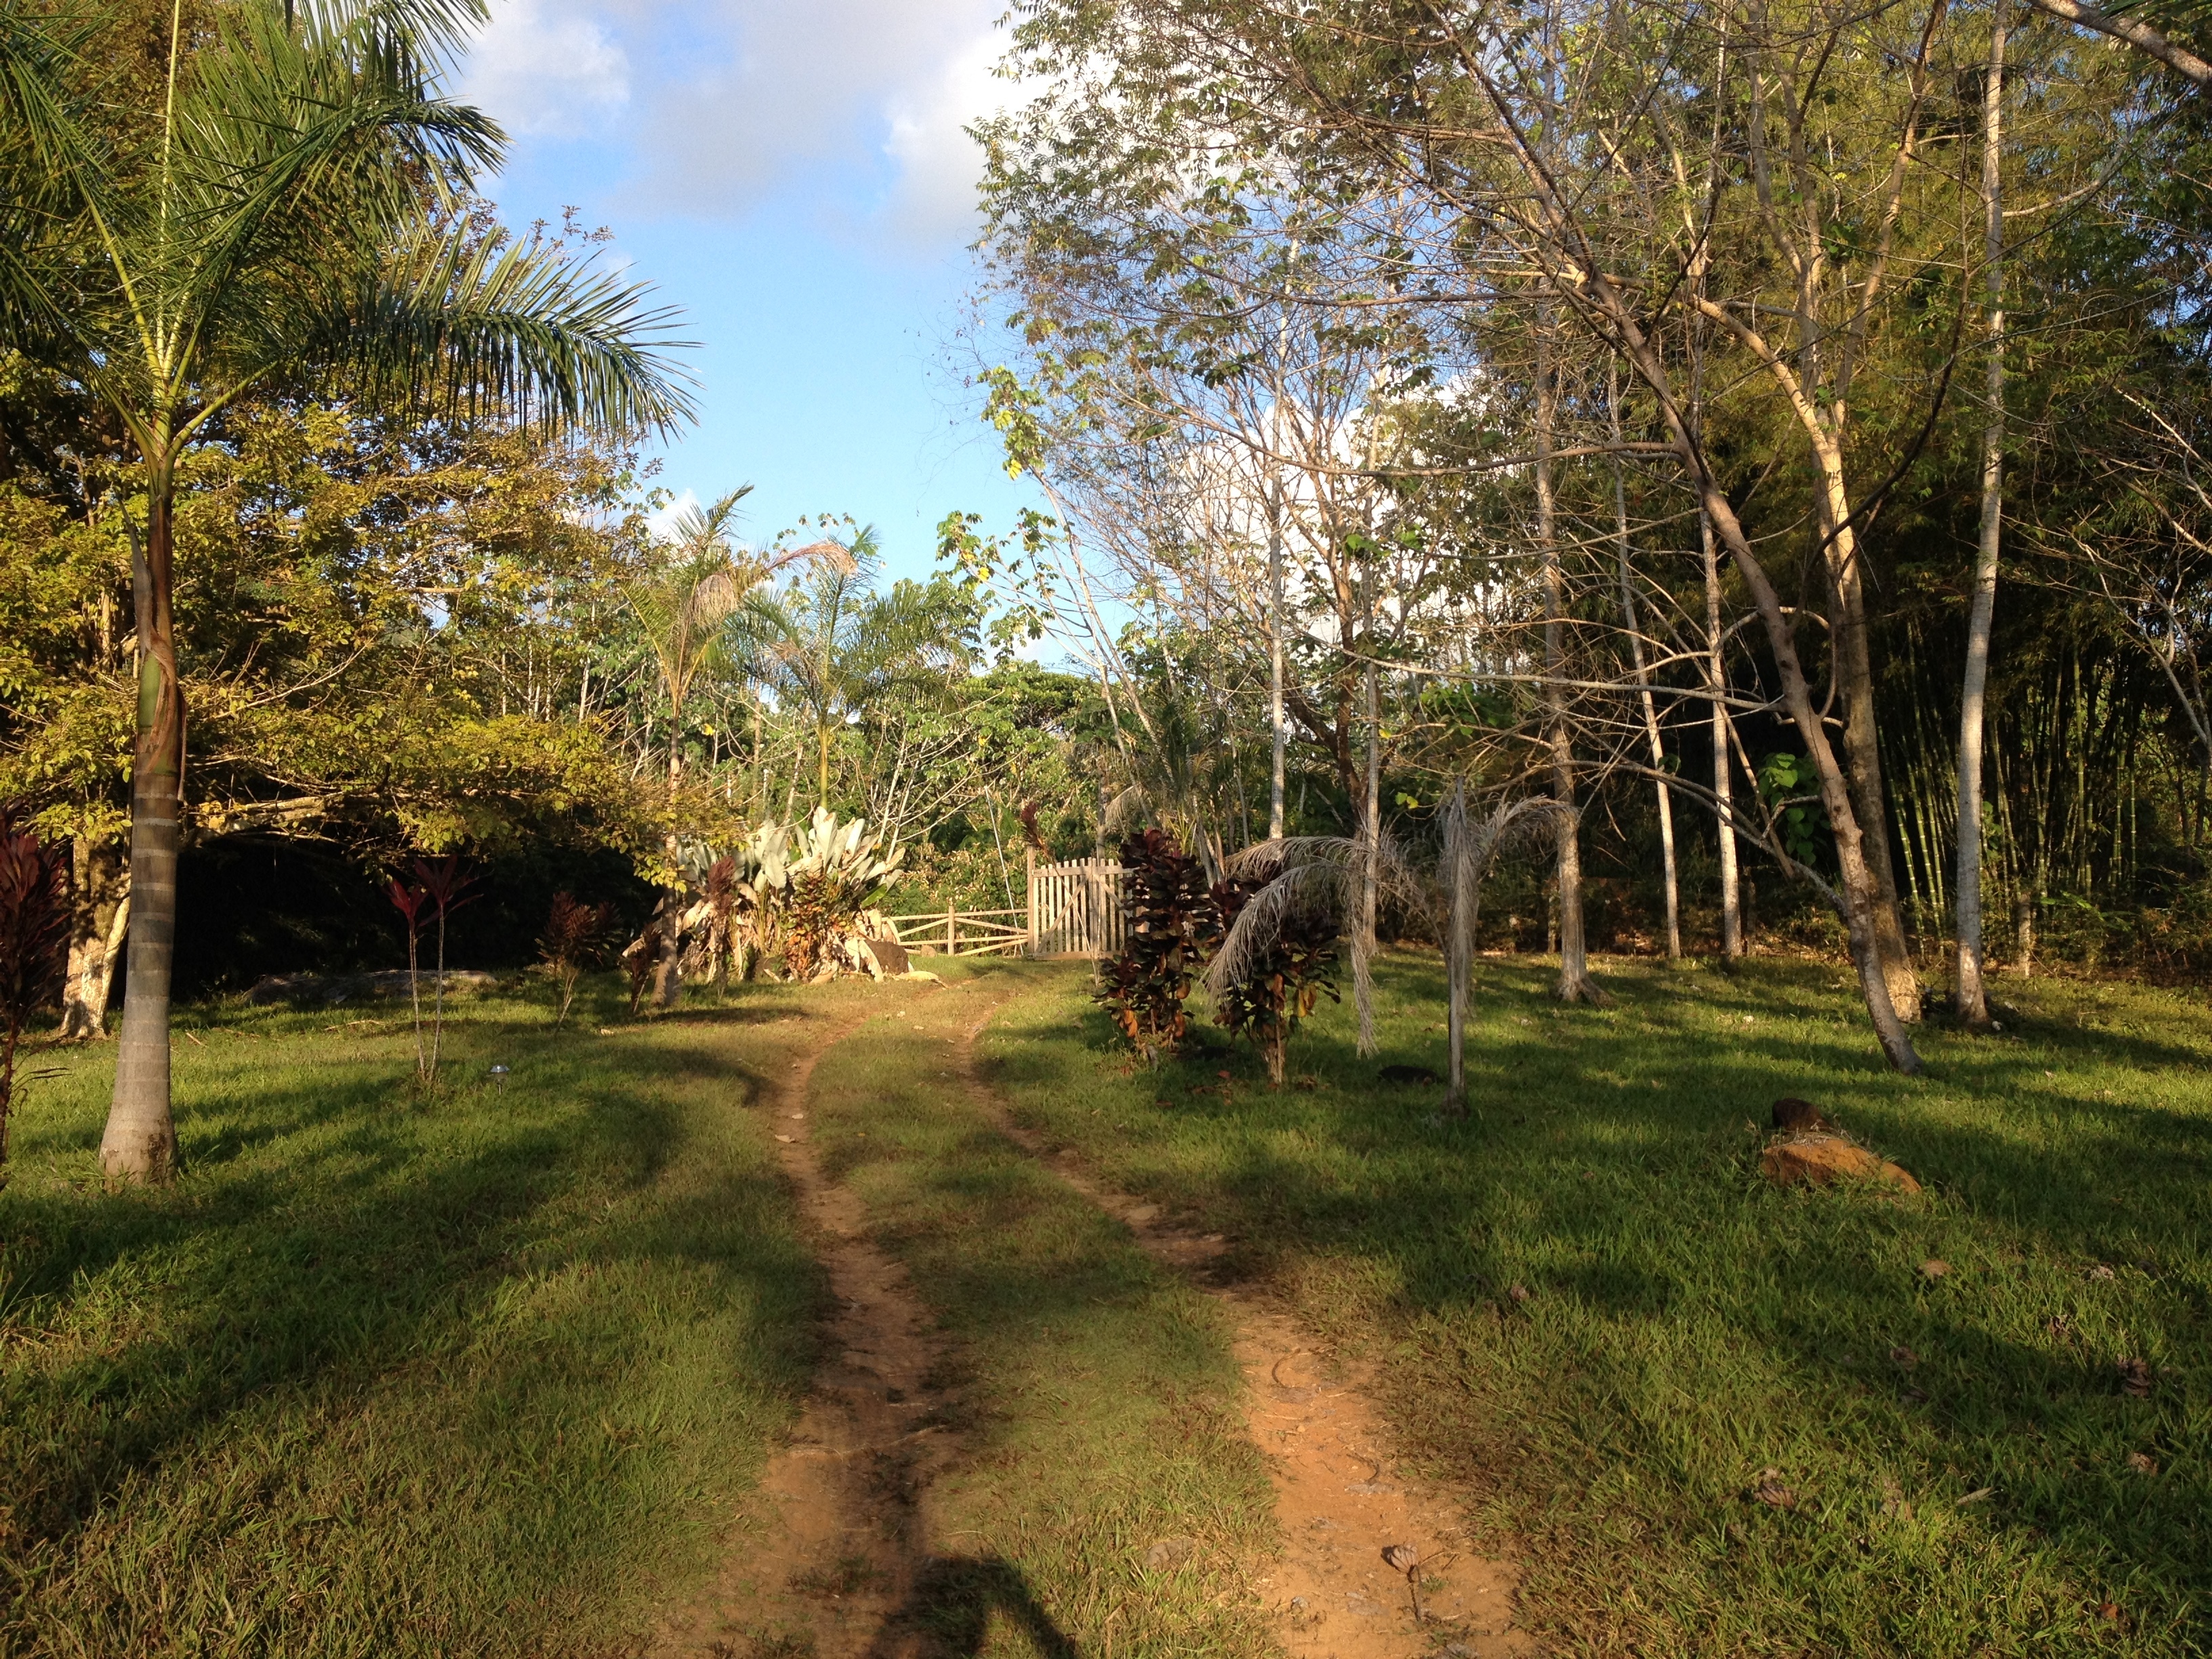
684, 598
837, 646
296, 213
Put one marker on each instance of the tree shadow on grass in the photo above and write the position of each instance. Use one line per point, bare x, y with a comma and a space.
952, 1604
328, 1242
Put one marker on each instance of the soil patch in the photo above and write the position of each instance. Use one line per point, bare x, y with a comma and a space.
834, 1547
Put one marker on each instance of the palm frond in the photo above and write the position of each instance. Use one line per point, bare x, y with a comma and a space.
456, 327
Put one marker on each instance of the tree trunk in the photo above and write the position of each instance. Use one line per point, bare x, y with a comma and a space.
140, 1141
99, 884
1574, 984
1854, 670
668, 972
1459, 947
1278, 723
1370, 840
1971, 997
1856, 895
1643, 686
1723, 773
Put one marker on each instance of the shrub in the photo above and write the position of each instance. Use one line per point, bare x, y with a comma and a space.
1174, 925
576, 940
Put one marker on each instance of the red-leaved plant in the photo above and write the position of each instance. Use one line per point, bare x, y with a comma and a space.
575, 939
33, 928
441, 887
1174, 925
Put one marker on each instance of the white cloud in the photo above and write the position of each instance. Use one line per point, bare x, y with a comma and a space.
938, 164
663, 523
547, 68
722, 103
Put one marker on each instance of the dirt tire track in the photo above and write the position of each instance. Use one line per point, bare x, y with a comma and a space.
834, 1549
1341, 1497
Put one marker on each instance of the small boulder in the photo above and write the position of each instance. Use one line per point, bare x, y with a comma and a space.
1822, 1159
1170, 1553
887, 956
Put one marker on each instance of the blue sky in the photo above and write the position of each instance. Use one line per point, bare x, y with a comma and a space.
792, 174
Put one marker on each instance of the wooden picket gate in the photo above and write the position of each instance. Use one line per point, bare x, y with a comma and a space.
1075, 907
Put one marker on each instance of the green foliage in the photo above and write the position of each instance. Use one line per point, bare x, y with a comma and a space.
1172, 926
1787, 785
1295, 967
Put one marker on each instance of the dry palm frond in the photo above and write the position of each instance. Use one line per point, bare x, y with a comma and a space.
1471, 845
1315, 872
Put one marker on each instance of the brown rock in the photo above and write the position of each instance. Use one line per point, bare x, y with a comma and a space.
888, 956
1822, 1159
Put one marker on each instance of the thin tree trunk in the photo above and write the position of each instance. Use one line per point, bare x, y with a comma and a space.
140, 1141
668, 972
1723, 773
1458, 948
1643, 683
438, 999
1277, 724
1370, 836
1856, 895
1972, 997
1574, 983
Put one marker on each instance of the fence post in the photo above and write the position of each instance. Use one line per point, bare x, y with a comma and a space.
1029, 903
952, 932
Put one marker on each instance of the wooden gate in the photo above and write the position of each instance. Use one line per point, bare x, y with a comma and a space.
1075, 908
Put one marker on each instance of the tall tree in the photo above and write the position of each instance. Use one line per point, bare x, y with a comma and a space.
1971, 999
293, 214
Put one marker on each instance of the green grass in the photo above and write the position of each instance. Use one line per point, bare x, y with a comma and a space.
480, 1376
1100, 1399
1686, 1327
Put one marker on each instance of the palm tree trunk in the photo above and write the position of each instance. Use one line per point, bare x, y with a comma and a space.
668, 972
140, 1141
1971, 1002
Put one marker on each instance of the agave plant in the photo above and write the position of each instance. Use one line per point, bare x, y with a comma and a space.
837, 873
796, 889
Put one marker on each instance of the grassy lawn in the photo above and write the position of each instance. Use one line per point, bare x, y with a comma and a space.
1101, 1397
1596, 1317
379, 1378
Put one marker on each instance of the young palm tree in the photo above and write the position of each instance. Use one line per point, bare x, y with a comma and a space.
295, 213
837, 646
685, 600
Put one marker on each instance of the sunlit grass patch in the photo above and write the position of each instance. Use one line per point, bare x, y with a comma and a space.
1599, 1320
477, 1375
